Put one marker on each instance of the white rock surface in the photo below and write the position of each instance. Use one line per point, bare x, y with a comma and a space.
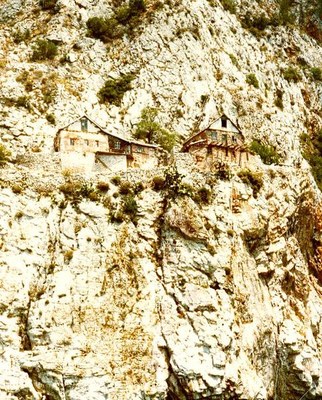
188, 300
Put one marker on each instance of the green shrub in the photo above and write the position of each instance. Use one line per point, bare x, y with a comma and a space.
51, 119
44, 50
173, 185
267, 153
68, 255
285, 16
292, 74
93, 196
5, 155
316, 73
107, 29
17, 188
21, 36
256, 24
113, 90
261, 22
123, 14
138, 187
158, 183
116, 180
223, 171
19, 214
77, 189
23, 101
279, 99
203, 195
70, 189
186, 189
312, 152
128, 210
125, 188
251, 79
252, 178
48, 4
315, 162
102, 186
229, 5
150, 130
130, 206
104, 29
279, 103
137, 6
88, 191
233, 59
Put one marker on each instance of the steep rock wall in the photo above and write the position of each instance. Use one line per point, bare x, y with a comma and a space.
188, 301
191, 60
191, 299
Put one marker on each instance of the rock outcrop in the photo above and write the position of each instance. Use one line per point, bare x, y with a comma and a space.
184, 298
205, 286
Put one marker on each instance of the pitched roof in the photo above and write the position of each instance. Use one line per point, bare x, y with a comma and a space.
108, 133
208, 127
229, 119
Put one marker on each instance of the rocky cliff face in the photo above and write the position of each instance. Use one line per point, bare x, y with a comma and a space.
170, 284
188, 297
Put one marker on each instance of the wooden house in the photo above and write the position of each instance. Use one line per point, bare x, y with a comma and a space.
221, 142
84, 146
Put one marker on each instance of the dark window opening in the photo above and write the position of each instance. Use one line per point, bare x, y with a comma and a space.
97, 143
223, 122
84, 125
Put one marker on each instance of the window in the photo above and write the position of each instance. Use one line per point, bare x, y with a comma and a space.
224, 137
117, 145
234, 139
72, 142
84, 124
214, 135
97, 143
87, 142
223, 122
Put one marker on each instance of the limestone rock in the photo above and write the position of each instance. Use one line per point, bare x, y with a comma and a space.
186, 299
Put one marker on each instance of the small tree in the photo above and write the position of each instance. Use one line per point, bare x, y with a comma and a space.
266, 152
104, 28
150, 130
44, 50
292, 74
114, 89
